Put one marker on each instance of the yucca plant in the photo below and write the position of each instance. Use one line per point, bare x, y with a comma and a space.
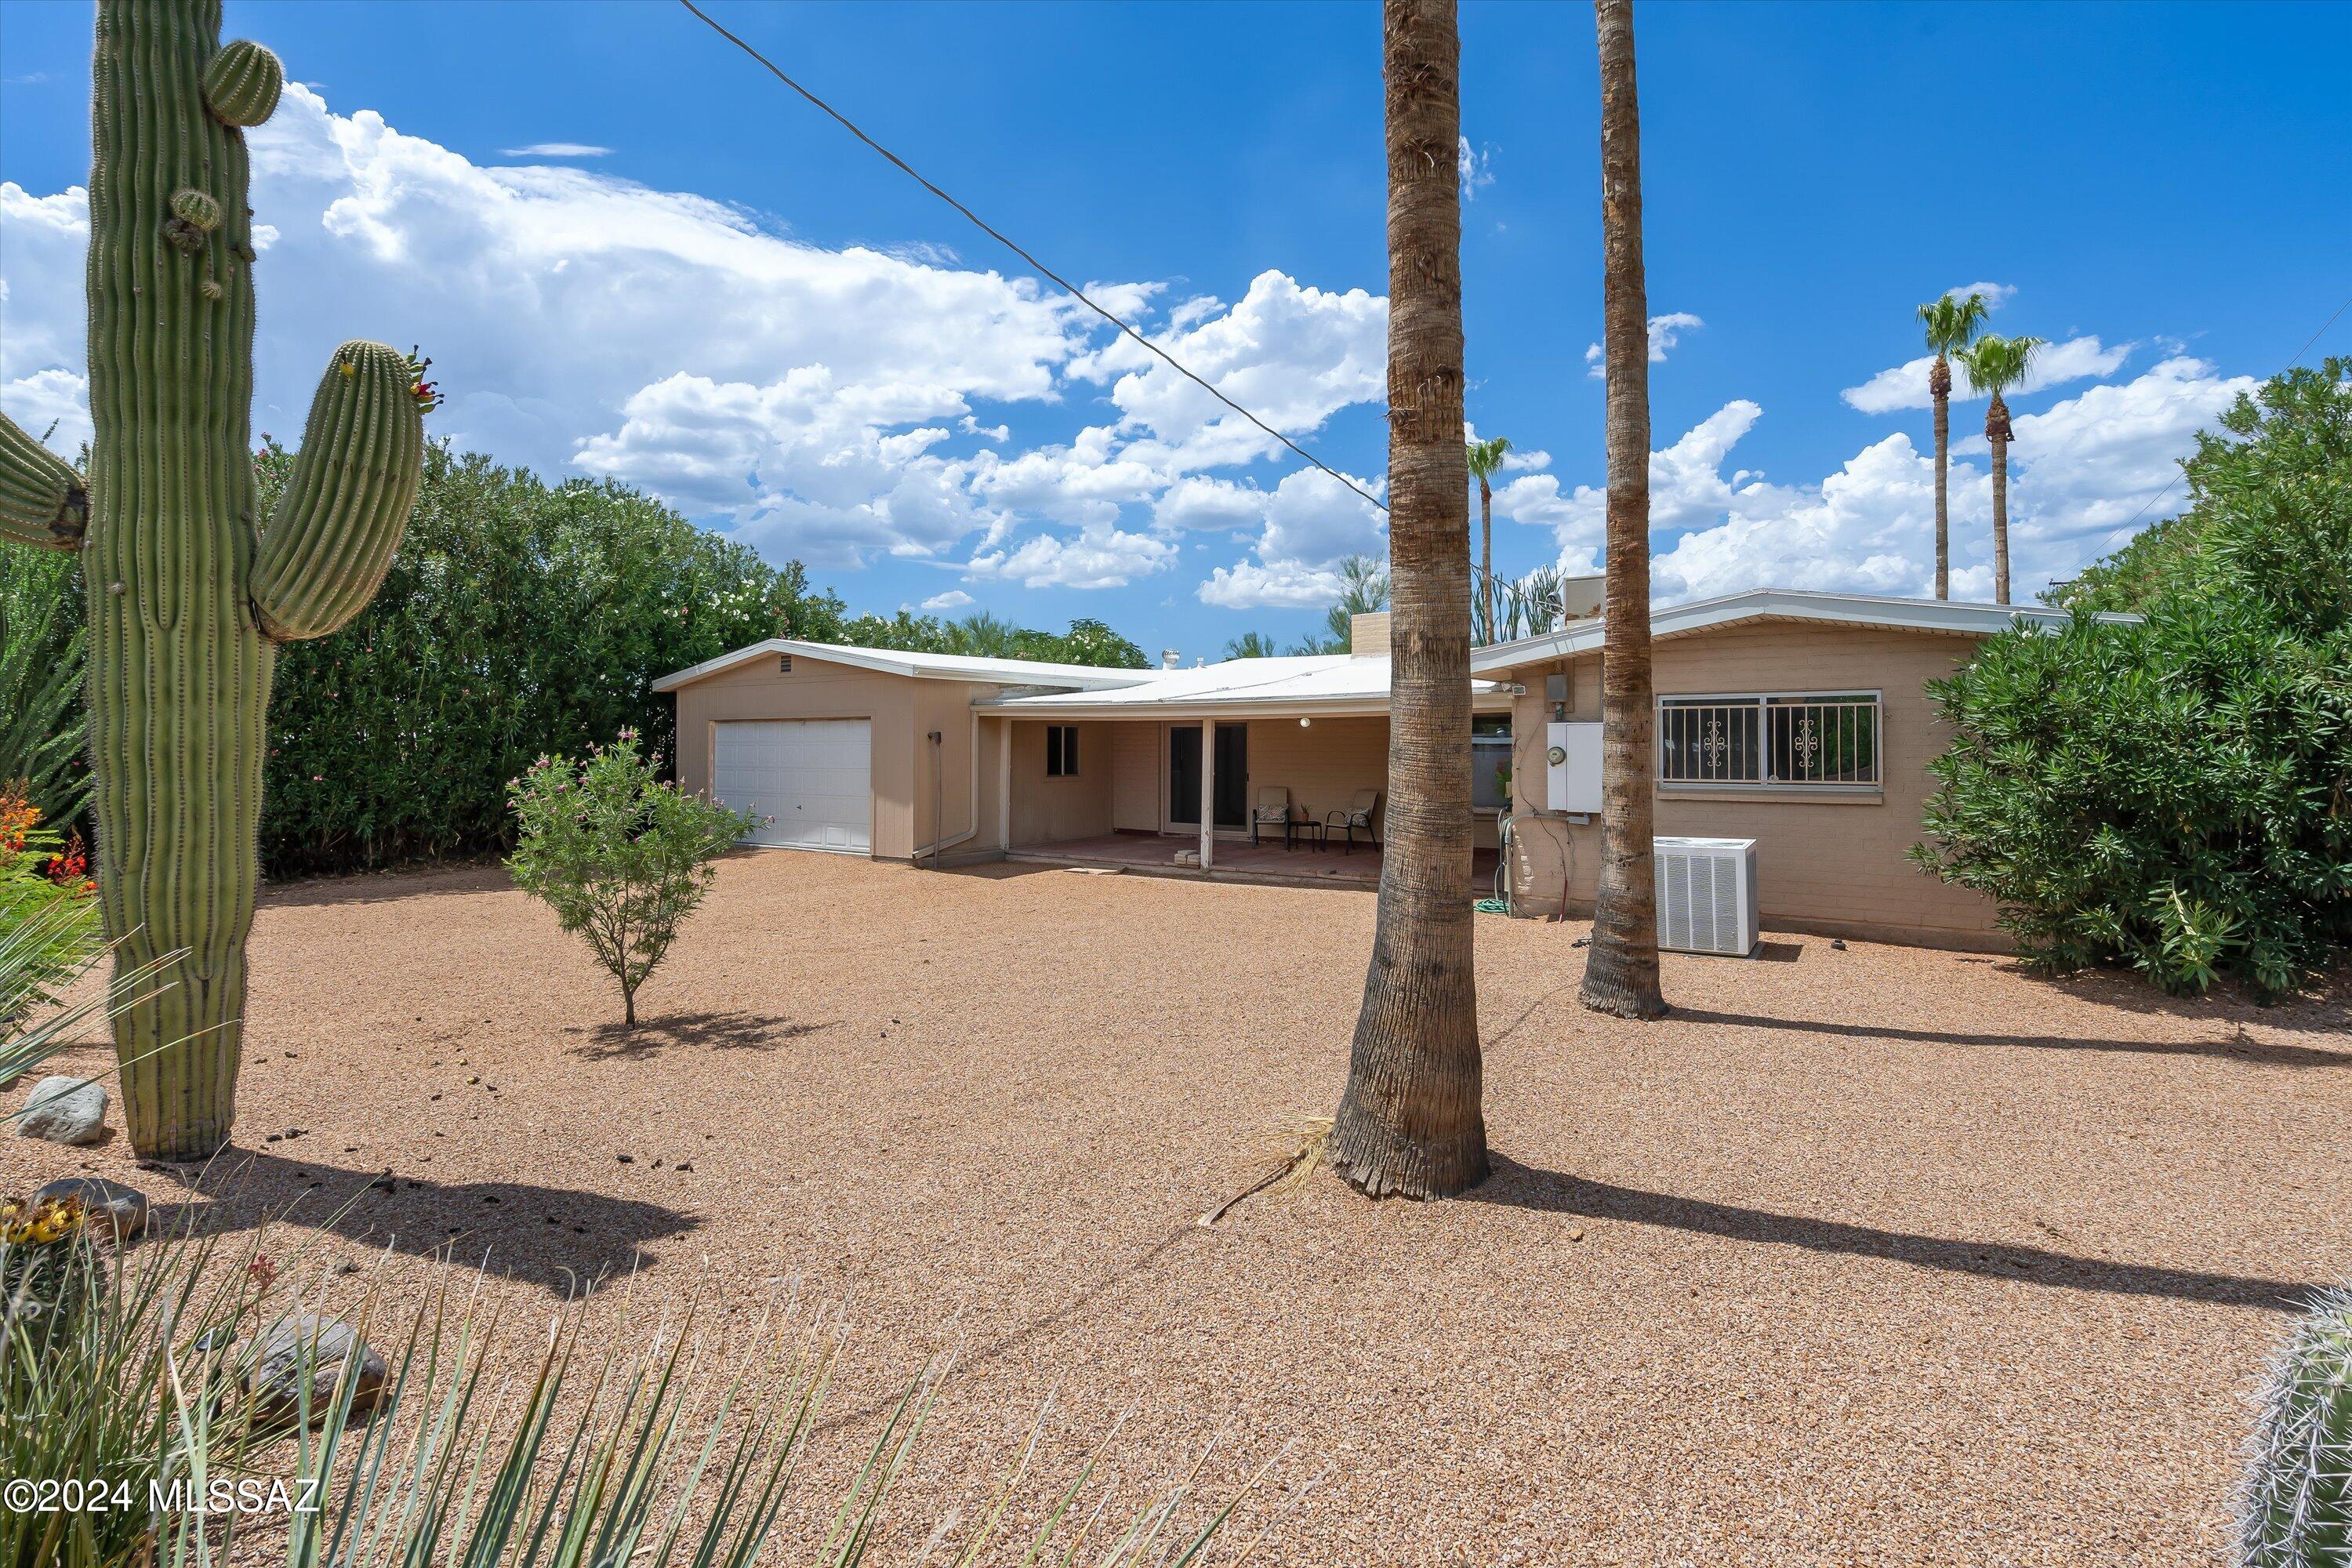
679, 1456
42, 649
2295, 1503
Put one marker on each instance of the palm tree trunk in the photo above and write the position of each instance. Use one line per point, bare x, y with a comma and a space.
1487, 552
1409, 1124
1997, 435
1939, 388
1620, 969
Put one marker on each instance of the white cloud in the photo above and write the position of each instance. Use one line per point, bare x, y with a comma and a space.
1209, 503
51, 406
1292, 354
1665, 332
1906, 385
1099, 557
2078, 472
834, 404
1474, 169
953, 599
1996, 295
556, 150
1286, 585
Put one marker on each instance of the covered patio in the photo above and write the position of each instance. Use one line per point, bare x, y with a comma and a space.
1192, 760
1237, 860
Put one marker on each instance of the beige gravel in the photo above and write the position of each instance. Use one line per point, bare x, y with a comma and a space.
1873, 1255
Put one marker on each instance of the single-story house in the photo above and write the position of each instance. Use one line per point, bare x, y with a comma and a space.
1797, 720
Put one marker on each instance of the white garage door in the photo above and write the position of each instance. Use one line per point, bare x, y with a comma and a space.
812, 776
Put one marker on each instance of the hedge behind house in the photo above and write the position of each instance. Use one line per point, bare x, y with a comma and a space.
520, 618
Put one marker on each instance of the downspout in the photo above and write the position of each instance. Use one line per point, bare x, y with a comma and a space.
939, 788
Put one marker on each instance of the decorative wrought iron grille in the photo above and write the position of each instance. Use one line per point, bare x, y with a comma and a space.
1801, 740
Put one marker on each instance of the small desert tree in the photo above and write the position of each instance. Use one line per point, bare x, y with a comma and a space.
620, 855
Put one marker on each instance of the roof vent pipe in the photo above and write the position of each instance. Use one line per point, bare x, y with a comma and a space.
1170, 660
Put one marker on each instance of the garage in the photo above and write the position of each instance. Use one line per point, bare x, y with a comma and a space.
809, 779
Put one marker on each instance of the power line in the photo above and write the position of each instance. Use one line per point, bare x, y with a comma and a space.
1067, 287
2175, 480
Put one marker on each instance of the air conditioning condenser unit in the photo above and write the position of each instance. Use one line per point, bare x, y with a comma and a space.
1707, 895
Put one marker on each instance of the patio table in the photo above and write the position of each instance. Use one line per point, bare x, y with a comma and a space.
1315, 833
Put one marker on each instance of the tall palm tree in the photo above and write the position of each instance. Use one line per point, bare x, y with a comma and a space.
1951, 325
1994, 365
1620, 967
1485, 462
1409, 1124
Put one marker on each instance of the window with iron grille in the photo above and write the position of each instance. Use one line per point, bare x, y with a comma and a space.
1801, 740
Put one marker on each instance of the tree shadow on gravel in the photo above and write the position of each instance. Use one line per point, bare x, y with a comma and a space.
2239, 1047
1515, 1185
736, 1031
559, 1239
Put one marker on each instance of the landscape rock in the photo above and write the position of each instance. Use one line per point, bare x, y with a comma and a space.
64, 1110
279, 1352
122, 1209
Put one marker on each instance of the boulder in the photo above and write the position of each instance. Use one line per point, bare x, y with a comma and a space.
122, 1210
64, 1110
326, 1347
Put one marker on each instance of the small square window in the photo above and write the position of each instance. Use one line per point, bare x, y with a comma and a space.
1061, 750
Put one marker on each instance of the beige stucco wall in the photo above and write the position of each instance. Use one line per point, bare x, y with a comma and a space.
1139, 769
1832, 865
1046, 809
901, 711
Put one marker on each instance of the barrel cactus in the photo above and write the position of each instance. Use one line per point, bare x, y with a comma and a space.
189, 592
2295, 1505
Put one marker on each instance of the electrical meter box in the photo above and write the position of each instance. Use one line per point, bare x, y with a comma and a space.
1572, 767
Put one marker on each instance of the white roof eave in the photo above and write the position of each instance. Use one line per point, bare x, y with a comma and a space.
1928, 616
888, 662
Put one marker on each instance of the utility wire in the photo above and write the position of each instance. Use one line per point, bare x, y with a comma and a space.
2175, 480
1067, 287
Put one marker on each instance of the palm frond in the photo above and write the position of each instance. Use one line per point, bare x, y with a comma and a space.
1486, 457
1951, 323
1994, 363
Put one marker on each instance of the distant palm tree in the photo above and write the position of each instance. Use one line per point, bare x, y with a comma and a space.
1620, 967
1363, 588
1485, 462
1251, 645
1994, 365
981, 635
1951, 325
1409, 1124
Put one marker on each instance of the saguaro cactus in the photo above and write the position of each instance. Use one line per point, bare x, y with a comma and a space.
188, 593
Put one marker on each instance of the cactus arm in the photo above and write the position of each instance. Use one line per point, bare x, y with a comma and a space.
333, 533
43, 502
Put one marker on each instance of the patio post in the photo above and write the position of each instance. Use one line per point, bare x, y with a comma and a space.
1208, 793
1003, 783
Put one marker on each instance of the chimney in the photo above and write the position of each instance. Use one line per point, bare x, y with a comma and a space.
1170, 660
1368, 635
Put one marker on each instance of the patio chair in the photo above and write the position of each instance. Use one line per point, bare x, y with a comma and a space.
1358, 815
1273, 810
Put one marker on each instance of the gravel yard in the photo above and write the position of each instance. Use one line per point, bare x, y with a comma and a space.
1873, 1255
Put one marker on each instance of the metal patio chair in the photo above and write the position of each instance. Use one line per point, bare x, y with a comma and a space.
1357, 815
1273, 810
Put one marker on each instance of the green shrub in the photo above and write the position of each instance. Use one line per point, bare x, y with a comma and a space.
622, 857
2176, 796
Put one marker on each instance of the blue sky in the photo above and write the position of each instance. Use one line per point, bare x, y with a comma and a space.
632, 254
